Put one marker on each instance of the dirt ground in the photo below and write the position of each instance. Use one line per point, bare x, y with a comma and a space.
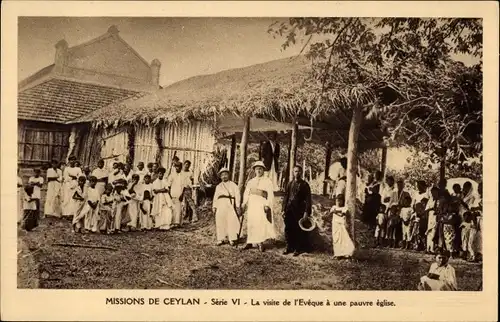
188, 259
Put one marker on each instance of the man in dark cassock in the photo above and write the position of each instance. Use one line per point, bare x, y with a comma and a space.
269, 153
296, 205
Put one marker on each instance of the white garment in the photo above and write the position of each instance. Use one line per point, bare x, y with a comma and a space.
141, 174
342, 243
226, 220
37, 191
418, 197
113, 176
27, 204
53, 197
391, 193
90, 216
447, 279
259, 228
70, 176
145, 220
100, 174
162, 206
133, 205
176, 182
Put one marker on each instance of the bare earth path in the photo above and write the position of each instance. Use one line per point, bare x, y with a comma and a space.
187, 258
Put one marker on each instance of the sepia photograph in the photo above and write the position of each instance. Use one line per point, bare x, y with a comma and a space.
250, 153
316, 153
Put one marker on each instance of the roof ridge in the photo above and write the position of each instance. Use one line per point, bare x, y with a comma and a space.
109, 35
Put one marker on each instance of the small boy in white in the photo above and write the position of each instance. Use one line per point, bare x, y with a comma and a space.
36, 181
381, 226
405, 214
146, 221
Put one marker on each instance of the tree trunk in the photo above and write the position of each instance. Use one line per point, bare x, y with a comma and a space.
442, 168
383, 161
232, 155
293, 151
352, 165
328, 160
243, 155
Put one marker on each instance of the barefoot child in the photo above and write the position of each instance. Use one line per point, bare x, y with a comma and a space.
380, 229
343, 247
77, 203
133, 205
122, 198
106, 210
37, 181
90, 211
405, 214
146, 221
30, 215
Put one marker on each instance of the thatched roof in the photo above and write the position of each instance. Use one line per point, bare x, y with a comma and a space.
275, 90
281, 88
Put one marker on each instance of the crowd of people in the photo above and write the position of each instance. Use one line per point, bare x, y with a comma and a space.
112, 200
432, 220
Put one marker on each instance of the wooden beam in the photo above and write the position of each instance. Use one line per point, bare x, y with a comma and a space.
293, 151
235, 164
243, 155
352, 166
328, 160
232, 155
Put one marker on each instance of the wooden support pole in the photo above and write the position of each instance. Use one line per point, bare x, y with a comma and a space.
328, 160
235, 164
352, 166
383, 162
293, 150
232, 155
243, 155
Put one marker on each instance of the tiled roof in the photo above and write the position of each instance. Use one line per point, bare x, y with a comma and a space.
60, 100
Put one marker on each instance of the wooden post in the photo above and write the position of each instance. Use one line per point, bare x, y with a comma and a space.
243, 155
293, 150
352, 166
232, 155
235, 164
328, 159
383, 162
442, 168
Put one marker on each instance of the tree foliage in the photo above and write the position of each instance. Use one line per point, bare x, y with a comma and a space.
402, 72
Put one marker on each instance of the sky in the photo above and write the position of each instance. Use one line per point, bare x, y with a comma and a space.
185, 46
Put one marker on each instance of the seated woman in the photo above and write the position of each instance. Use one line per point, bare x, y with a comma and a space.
441, 276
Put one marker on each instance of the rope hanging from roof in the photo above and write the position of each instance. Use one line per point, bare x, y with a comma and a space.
312, 130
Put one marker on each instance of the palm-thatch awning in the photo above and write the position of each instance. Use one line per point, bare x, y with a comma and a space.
279, 90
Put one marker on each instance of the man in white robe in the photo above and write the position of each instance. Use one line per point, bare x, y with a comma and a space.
258, 199
101, 175
176, 185
226, 206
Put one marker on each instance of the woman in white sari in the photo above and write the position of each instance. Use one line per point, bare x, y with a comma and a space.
441, 276
70, 176
162, 203
343, 247
258, 198
53, 197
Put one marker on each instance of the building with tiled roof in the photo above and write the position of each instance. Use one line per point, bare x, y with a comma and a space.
82, 79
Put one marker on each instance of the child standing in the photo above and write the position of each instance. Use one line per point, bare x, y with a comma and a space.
145, 205
343, 247
30, 214
431, 220
91, 209
133, 206
381, 226
77, 203
36, 182
162, 203
187, 195
102, 177
392, 223
405, 214
122, 198
106, 210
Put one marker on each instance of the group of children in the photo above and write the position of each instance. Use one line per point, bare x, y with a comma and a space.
112, 201
432, 220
